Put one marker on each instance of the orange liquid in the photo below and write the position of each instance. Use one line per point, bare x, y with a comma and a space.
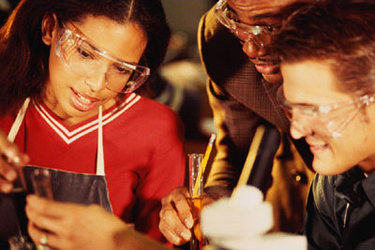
198, 240
197, 204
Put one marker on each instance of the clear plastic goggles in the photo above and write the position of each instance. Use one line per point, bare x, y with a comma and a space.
256, 33
324, 120
84, 59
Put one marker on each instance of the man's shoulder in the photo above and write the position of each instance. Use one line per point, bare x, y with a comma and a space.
221, 52
209, 26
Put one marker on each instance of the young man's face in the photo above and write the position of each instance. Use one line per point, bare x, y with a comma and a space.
339, 138
263, 13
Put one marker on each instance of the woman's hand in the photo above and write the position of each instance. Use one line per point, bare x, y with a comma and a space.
10, 158
73, 226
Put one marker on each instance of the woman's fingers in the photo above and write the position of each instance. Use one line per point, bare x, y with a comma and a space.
10, 157
5, 186
38, 212
10, 152
41, 237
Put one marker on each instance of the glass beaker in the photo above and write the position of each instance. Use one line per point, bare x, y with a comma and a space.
196, 201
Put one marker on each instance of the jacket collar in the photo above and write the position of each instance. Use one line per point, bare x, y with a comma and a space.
349, 186
354, 187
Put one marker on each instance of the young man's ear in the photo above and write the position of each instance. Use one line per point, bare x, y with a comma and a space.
49, 28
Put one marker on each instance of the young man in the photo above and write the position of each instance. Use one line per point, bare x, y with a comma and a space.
328, 55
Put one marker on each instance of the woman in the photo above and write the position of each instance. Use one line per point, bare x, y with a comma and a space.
328, 67
69, 69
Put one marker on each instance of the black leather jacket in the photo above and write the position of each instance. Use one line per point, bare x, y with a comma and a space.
341, 211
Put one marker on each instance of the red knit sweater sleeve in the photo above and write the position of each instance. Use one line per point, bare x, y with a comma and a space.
166, 171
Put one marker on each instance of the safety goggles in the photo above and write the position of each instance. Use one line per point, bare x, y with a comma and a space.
325, 120
256, 33
85, 59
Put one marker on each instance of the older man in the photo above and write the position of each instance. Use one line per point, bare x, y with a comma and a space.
242, 82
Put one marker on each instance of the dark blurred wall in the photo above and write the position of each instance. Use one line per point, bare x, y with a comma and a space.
5, 8
183, 17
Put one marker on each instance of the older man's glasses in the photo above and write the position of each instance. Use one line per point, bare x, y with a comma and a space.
255, 33
324, 120
86, 60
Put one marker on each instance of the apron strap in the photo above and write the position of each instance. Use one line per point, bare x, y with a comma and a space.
18, 121
100, 154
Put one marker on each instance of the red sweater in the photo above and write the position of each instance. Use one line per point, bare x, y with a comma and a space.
143, 153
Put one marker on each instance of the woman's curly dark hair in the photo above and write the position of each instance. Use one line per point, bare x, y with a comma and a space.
24, 57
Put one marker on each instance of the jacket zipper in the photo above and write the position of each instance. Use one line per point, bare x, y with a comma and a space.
346, 214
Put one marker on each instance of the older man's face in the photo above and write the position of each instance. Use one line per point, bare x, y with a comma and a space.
267, 14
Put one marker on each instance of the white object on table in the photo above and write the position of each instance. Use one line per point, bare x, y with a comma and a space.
242, 223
